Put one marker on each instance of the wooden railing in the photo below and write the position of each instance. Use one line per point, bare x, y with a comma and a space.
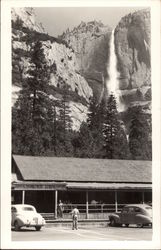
95, 211
93, 208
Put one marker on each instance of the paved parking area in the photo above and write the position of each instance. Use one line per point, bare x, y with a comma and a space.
84, 233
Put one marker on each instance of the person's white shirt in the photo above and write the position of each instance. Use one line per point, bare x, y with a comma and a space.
75, 212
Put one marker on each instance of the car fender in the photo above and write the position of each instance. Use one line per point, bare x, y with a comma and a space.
116, 217
41, 218
21, 220
140, 218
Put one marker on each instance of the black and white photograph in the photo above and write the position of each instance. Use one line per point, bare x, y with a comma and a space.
81, 124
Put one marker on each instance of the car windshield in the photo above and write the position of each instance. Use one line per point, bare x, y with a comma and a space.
27, 209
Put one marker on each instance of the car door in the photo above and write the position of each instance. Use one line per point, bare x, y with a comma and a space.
127, 215
137, 218
131, 215
124, 215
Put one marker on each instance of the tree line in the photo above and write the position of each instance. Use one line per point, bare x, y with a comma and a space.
42, 125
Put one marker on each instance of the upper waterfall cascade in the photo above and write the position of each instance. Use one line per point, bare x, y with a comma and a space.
113, 82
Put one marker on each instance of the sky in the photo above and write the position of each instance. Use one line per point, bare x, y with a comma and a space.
56, 20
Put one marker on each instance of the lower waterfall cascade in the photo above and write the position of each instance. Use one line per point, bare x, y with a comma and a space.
113, 82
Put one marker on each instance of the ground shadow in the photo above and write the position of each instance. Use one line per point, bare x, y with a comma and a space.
24, 230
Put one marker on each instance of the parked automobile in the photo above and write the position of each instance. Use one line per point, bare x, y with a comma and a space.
139, 214
26, 215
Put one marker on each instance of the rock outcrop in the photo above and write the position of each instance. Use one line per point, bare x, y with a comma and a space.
90, 42
27, 16
132, 44
59, 56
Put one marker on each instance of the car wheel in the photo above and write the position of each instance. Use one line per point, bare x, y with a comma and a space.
126, 225
16, 225
38, 228
139, 225
112, 222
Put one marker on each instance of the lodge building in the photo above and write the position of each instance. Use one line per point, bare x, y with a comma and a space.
96, 186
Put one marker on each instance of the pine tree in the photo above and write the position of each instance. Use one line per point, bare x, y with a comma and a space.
83, 142
140, 144
33, 114
54, 127
92, 113
64, 125
95, 122
114, 136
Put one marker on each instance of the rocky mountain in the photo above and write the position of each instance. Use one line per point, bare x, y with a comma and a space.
90, 42
132, 45
79, 59
59, 56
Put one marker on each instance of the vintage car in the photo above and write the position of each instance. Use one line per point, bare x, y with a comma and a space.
26, 216
139, 214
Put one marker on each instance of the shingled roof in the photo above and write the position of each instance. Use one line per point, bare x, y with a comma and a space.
83, 170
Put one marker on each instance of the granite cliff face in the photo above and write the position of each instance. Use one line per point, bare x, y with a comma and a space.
132, 44
90, 42
59, 56
79, 58
27, 15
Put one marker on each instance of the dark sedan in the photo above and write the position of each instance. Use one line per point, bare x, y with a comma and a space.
139, 214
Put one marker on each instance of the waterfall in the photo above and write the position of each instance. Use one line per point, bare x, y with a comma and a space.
113, 82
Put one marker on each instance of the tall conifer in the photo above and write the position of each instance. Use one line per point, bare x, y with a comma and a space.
33, 114
140, 143
114, 135
64, 125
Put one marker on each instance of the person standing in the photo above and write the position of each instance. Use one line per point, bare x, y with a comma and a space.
75, 213
60, 209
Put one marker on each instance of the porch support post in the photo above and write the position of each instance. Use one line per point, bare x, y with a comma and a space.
56, 203
23, 196
143, 197
86, 204
116, 201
